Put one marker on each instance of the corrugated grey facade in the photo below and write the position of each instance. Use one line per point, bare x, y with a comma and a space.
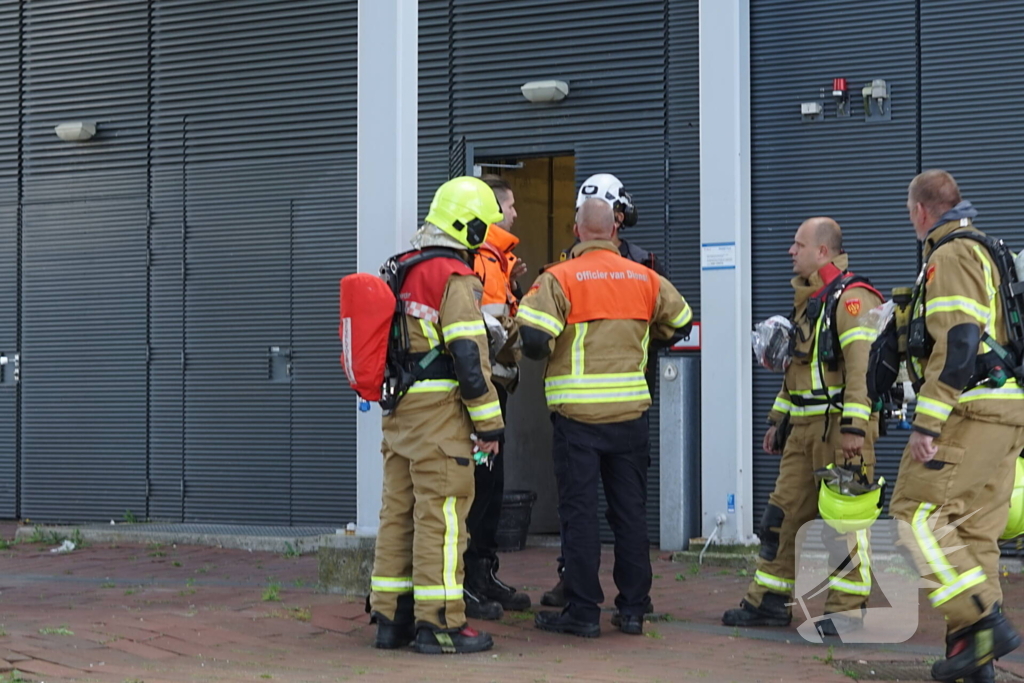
176, 282
175, 279
171, 286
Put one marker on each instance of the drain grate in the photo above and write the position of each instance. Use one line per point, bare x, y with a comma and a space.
220, 530
909, 670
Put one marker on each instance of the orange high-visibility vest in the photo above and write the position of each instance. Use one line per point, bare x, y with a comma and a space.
601, 285
494, 263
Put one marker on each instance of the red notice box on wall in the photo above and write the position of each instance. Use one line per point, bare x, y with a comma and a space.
691, 344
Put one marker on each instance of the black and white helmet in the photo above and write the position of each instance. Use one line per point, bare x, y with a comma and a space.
609, 188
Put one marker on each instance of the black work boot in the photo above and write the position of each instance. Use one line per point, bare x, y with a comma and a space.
838, 623
478, 607
772, 612
554, 597
986, 674
563, 622
398, 632
630, 624
431, 640
617, 618
970, 650
495, 589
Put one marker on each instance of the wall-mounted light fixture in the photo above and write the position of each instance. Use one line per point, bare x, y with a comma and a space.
77, 131
545, 91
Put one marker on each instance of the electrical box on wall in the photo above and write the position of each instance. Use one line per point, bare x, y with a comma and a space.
812, 111
877, 100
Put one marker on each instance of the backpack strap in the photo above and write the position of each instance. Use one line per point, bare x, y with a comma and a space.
1011, 293
404, 373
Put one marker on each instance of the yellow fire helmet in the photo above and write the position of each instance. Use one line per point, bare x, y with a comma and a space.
845, 507
465, 208
1015, 523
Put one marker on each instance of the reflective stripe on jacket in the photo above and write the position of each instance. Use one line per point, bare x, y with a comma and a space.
962, 301
442, 307
810, 388
600, 311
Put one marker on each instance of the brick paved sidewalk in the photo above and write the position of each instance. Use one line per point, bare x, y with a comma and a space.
133, 613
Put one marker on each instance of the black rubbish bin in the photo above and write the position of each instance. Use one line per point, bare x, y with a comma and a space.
514, 523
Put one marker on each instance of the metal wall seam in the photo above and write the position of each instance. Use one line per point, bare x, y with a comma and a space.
971, 94
10, 247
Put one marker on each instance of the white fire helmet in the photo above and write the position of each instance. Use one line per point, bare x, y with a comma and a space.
609, 188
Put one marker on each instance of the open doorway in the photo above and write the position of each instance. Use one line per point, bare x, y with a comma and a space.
545, 192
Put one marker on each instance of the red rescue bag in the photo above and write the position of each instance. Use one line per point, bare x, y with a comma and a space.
367, 310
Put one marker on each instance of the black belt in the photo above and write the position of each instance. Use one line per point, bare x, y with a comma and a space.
443, 366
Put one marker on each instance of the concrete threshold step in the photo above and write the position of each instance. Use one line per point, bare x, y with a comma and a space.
275, 539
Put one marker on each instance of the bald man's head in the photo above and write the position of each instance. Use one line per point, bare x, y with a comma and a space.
595, 220
828, 233
817, 242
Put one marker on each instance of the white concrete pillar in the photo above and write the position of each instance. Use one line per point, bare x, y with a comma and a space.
726, 391
386, 161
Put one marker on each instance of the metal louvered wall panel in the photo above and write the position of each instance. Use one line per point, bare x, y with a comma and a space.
613, 119
682, 248
845, 168
10, 90
978, 142
84, 367
434, 98
251, 168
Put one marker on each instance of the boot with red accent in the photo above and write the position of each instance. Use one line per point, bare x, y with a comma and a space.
970, 651
431, 640
986, 674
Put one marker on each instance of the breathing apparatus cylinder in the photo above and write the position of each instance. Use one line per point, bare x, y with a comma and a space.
902, 297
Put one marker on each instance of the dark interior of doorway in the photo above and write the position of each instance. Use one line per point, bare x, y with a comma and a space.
545, 193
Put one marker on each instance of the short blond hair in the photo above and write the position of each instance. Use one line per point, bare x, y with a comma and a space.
936, 190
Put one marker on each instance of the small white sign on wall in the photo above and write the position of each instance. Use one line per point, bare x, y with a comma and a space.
718, 256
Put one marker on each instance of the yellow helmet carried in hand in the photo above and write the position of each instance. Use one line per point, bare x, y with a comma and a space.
1015, 523
465, 208
848, 511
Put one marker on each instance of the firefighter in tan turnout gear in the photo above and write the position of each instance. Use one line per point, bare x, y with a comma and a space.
451, 411
592, 317
957, 472
821, 416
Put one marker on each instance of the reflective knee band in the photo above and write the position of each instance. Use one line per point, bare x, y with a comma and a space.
450, 589
845, 584
391, 584
777, 584
953, 583
771, 520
